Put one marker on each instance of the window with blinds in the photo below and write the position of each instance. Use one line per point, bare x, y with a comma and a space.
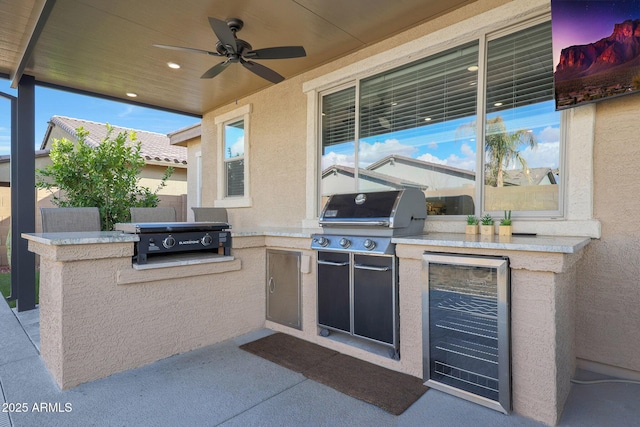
234, 158
522, 136
417, 126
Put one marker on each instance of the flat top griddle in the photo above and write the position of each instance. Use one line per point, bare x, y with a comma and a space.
170, 227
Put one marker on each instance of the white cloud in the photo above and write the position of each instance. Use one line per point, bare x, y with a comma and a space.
370, 153
465, 163
544, 155
467, 160
127, 111
467, 151
333, 158
432, 145
428, 157
549, 134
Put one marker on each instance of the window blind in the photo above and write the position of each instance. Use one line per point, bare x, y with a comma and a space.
520, 69
338, 117
440, 88
235, 177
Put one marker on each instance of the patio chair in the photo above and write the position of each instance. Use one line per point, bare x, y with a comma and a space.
210, 214
165, 214
61, 220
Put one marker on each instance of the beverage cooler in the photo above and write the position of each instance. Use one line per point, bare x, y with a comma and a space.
465, 327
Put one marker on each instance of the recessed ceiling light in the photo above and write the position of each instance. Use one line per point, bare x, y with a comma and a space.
132, 94
473, 68
427, 119
173, 65
497, 104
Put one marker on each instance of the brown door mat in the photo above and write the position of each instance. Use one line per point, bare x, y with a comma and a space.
389, 390
290, 352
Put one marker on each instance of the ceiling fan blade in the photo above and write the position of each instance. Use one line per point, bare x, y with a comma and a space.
187, 49
262, 71
224, 34
215, 70
283, 52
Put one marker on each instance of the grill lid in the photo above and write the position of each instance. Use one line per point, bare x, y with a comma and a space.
361, 206
396, 209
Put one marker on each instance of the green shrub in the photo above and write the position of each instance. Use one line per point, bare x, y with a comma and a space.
105, 176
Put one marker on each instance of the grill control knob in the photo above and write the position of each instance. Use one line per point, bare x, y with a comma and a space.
369, 244
345, 243
169, 242
206, 240
322, 241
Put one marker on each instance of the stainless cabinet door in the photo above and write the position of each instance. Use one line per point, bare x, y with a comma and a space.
283, 288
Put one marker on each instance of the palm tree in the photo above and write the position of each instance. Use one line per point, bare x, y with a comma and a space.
501, 148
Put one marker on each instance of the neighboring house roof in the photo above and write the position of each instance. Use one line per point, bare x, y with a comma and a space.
380, 178
154, 147
423, 165
512, 177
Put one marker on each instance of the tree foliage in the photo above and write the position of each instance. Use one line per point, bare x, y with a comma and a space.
106, 176
502, 149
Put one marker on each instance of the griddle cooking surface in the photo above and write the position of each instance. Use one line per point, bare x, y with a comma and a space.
169, 227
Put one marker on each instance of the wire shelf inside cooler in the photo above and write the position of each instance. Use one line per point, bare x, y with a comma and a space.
473, 287
468, 304
469, 349
466, 376
470, 325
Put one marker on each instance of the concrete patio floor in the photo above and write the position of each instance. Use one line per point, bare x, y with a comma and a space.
222, 385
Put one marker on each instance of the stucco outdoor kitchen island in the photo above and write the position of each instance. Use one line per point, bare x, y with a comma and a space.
99, 315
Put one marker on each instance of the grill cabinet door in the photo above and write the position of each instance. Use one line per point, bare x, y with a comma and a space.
334, 296
374, 298
283, 288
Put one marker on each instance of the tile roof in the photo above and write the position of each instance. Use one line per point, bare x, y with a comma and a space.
153, 146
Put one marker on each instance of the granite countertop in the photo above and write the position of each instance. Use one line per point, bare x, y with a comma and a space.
84, 238
558, 244
81, 237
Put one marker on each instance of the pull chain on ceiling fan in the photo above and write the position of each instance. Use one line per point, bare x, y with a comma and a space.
237, 50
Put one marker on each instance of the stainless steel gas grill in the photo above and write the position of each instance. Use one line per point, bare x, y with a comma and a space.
162, 238
357, 274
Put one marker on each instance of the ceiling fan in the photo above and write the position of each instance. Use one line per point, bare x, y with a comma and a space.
237, 50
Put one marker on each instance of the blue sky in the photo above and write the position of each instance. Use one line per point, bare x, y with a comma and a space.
453, 143
50, 102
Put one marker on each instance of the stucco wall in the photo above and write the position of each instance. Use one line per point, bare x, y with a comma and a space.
100, 316
608, 298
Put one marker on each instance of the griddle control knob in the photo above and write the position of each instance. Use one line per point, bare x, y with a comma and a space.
322, 241
369, 244
206, 240
169, 242
345, 243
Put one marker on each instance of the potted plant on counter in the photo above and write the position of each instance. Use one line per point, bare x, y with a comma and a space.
472, 225
487, 225
504, 229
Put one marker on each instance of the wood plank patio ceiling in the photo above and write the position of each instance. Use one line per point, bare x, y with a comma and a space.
105, 47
